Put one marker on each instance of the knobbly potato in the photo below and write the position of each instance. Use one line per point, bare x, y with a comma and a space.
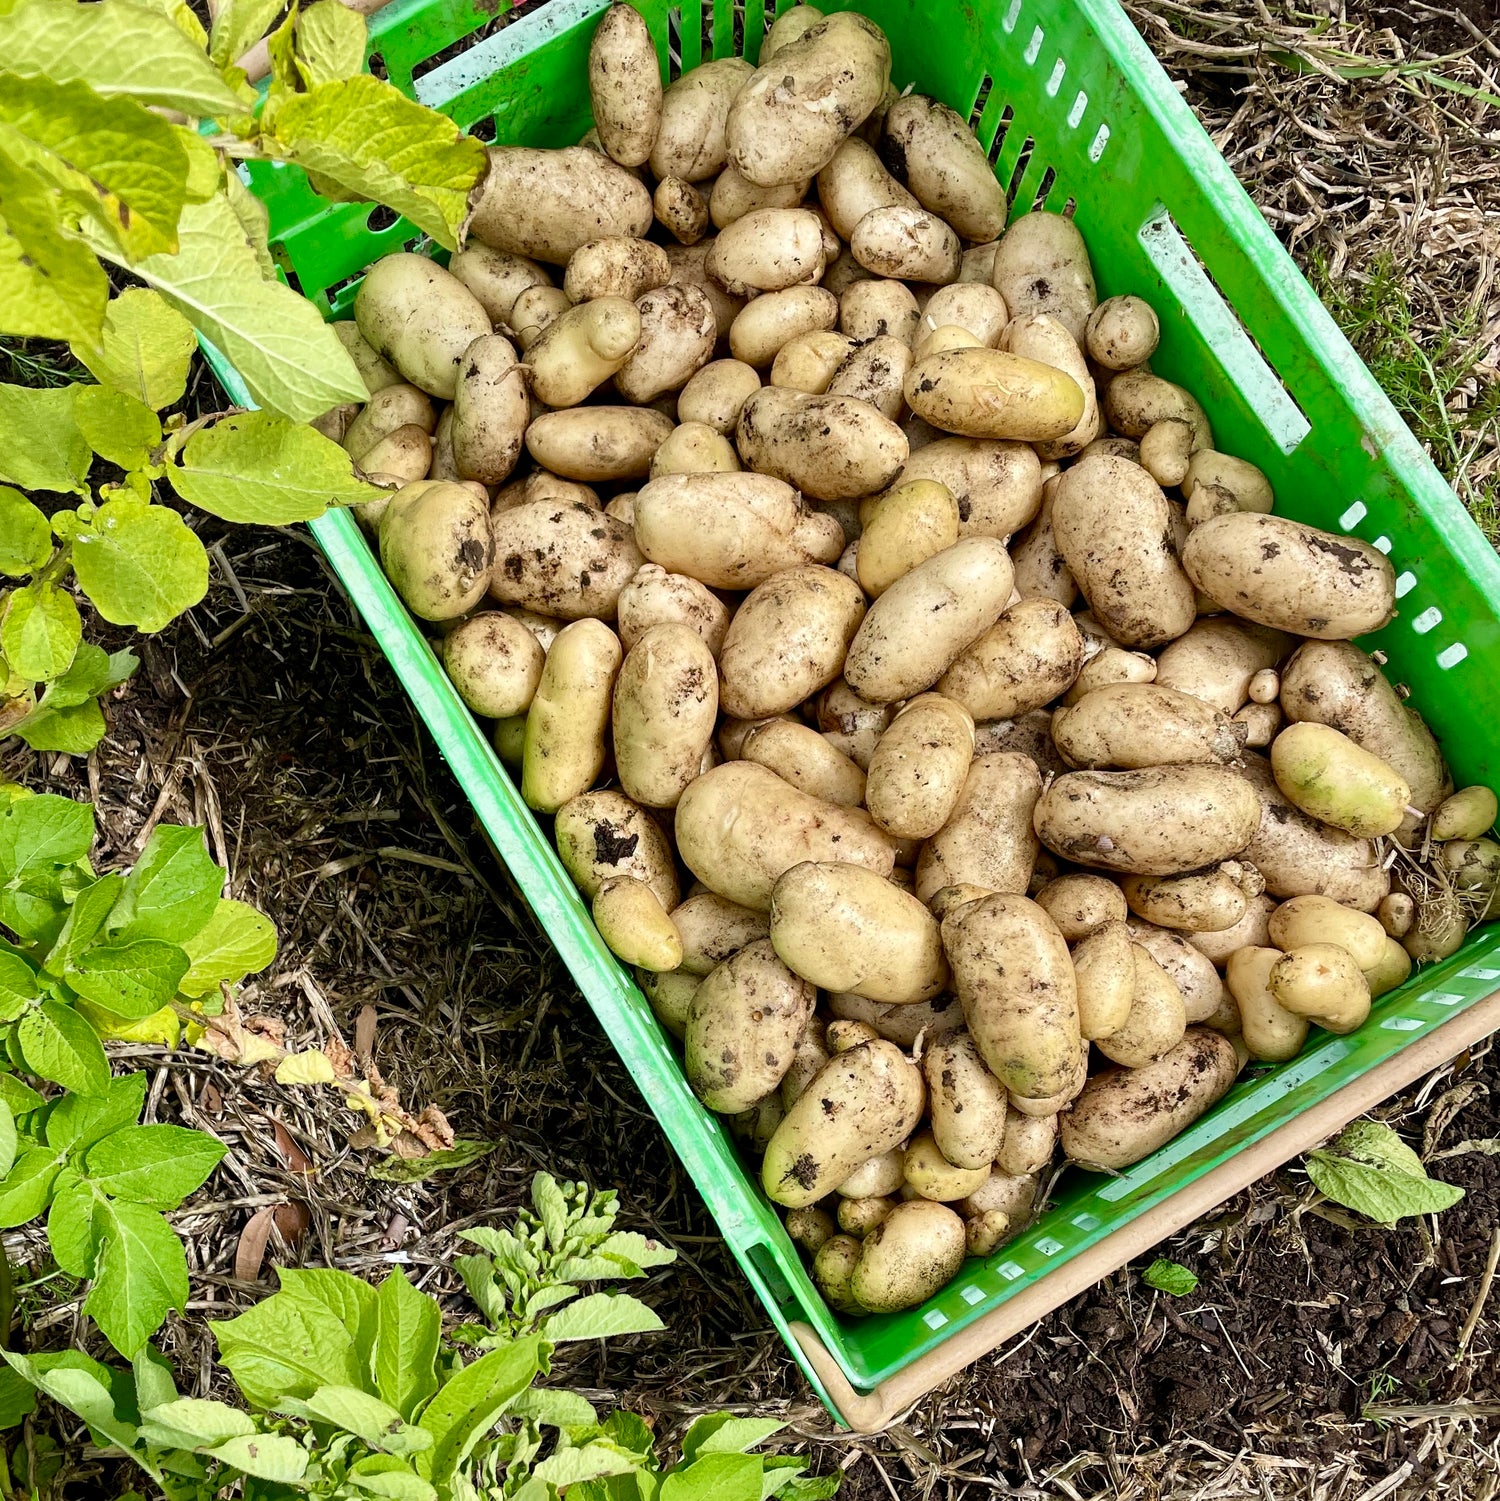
490, 411
496, 278
436, 549
421, 318
1271, 1032
787, 640
1249, 487
1133, 725
1218, 659
1012, 1195
581, 348
1028, 1144
678, 330
734, 196
1161, 821
1122, 332
653, 596
854, 183
988, 840
740, 827
615, 266
376, 372
1166, 448
970, 305
1040, 337
766, 251
392, 407
598, 444
833, 1271
866, 1101
915, 1251
1108, 665
931, 149
691, 448
874, 372
906, 244
985, 1233
564, 560
965, 1101
405, 453
803, 757
1030, 656
1080, 904
534, 309
918, 770
786, 123
997, 485
1291, 576
1104, 970
666, 700
811, 1228
681, 210
909, 524
987, 393
1205, 901
1042, 266
1135, 401
1467, 814
495, 664
1322, 982
743, 1026
713, 930
768, 323
604, 834
690, 141
877, 308
829, 447
1014, 977
914, 631
635, 925
790, 26
715, 394
929, 1175
1393, 970
625, 85
569, 715
852, 724
1262, 723
1119, 1117
1317, 920
1337, 684
1112, 525
670, 996
1157, 1019
808, 362
730, 531
1337, 782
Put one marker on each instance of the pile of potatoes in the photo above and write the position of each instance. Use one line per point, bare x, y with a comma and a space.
811, 536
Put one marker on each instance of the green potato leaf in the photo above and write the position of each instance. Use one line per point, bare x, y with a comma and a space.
330, 42
74, 731
41, 833
173, 889
28, 1186
181, 16
25, 534
17, 1398
144, 348
723, 1433
466, 1408
280, 1348
1170, 1277
153, 1379
140, 1273
350, 1299
8, 1140
82, 1385
70, 1226
715, 1477
90, 907
21, 1098
1370, 1170
76, 1122
118, 427
93, 671
235, 941
59, 1045
258, 467
140, 564
600, 1316
41, 632
41, 447
18, 986
267, 1456
133, 980
154, 1165
69, 718
192, 1422
407, 1326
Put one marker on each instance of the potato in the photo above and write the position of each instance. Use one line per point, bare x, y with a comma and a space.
1125, 1114
490, 411
810, 1054
933, 151
715, 394
374, 371
1122, 332
666, 700
421, 318
689, 268
1042, 266
988, 839
855, 183
914, 631
787, 640
1205, 901
1109, 665
740, 827
919, 766
803, 757
1218, 659
691, 448
850, 930
616, 266
681, 210
653, 596
876, 1178
766, 251
874, 372
1307, 920
625, 85
829, 447
670, 996
987, 393
564, 560
534, 310
810, 1229
1335, 683
1104, 971
770, 322
910, 523
1136, 400
581, 348
1396, 914
807, 362
965, 1101
929, 1175
435, 548
1028, 1144
1467, 814
1111, 523
906, 244
1129, 726
974, 306
911, 1255
690, 140
1040, 337
495, 664
1249, 489
790, 26
1191, 970
985, 1233
389, 409
603, 834
730, 531
1157, 1019
541, 484
937, 338
496, 278
1030, 656
1006, 1193
405, 455
997, 485
1294, 577
713, 930
860, 1216
1080, 904
864, 1102
871, 309
1041, 572
1322, 982
788, 121
1160, 821
832, 1271
598, 444
1439, 930
635, 925
1332, 779
734, 196
852, 724
678, 330
569, 715
1272, 1034
1393, 970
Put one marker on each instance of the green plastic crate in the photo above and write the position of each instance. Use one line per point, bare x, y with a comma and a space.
1075, 112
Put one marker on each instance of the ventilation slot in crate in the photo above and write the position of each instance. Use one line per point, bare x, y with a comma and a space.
674, 44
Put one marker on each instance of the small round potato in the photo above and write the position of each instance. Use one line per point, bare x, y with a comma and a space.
929, 1175
768, 323
1080, 904
1109, 665
810, 1229
1005, 1192
1337, 782
616, 266
987, 393
635, 925
1122, 332
918, 770
1166, 448
1029, 657
912, 1254
970, 305
1104, 966
1311, 919
871, 309
965, 1101
436, 549
1157, 1019
1322, 982
678, 330
692, 448
568, 719
986, 1233
581, 348
562, 559
715, 394
877, 1178
857, 1217
988, 840
421, 318
407, 454
803, 757
654, 596
1042, 266
495, 664
604, 834
852, 724
666, 700
535, 308
833, 1272
1136, 400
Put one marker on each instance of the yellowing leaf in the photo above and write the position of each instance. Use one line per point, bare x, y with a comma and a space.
311, 1067
330, 42
140, 564
120, 428
144, 348
238, 26
25, 537
181, 16
41, 447
205, 169
366, 136
41, 631
162, 1026
235, 941
254, 219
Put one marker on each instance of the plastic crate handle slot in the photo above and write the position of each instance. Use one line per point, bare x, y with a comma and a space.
1179, 267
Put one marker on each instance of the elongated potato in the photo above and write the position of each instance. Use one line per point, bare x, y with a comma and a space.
1218, 659
998, 485
790, 118
850, 930
919, 767
866, 1101
854, 183
907, 244
800, 755
914, 631
1125, 1114
787, 640
1203, 995
625, 85
829, 447
1271, 1032
1206, 901
666, 700
603, 834
1291, 576
1029, 657
874, 372
931, 149
1161, 821
766, 251
768, 323
809, 1056
988, 840
1112, 525
740, 828
421, 318
912, 1254
690, 141
1042, 266
569, 716
545, 204
495, 663
715, 394
986, 393
435, 548
1041, 572
1080, 904
490, 411
1039, 336
561, 559
635, 925
598, 444
681, 210
1337, 782
678, 330
1104, 970
654, 596
965, 1101
1157, 1019
1014, 977
581, 348
1133, 725
907, 525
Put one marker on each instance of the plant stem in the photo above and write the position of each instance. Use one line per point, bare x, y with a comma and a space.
7, 1299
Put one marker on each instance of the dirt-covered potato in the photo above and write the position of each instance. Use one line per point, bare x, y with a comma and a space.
768, 323
1104, 970
561, 559
971, 305
1332, 779
678, 330
800, 755
1204, 998
1112, 525
1307, 920
715, 394
733, 196
740, 828
790, 118
421, 318
1128, 726
534, 309
908, 524
490, 411
436, 549
625, 85
1108, 665
1041, 572
653, 596
874, 372
690, 139
713, 930
567, 723
1322, 982
1160, 821
829, 447
807, 362
731, 531
1156, 1021
1080, 904
1294, 577
847, 929
858, 1217
1028, 1144
988, 840
767, 250
787, 640
635, 925
598, 444
865, 1101
1125, 1114
1029, 657
872, 308
603, 834
854, 183
919, 767
929, 1175
1013, 975
914, 631
1042, 266
997, 484
933, 151
1122, 332
987, 393
666, 700
1250, 489
852, 724
1136, 400
392, 407
1204, 901
495, 664
1041, 337
689, 268
681, 210
406, 454
792, 24
912, 1254
616, 266
906, 244
965, 1102
1218, 659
